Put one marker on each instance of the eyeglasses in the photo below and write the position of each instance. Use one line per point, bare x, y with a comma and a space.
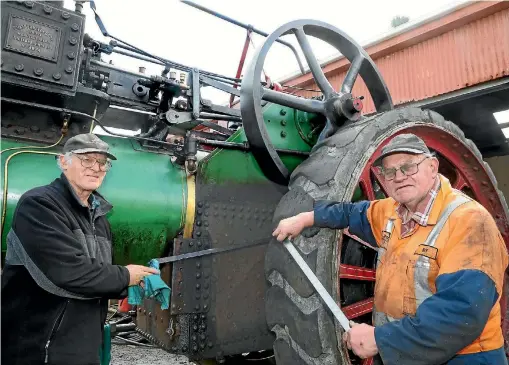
407, 169
89, 162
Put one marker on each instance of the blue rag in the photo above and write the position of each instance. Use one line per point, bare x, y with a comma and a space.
154, 287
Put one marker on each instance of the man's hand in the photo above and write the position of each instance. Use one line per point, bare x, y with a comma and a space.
291, 227
138, 272
361, 340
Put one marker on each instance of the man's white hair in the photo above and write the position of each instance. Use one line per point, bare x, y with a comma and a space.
68, 160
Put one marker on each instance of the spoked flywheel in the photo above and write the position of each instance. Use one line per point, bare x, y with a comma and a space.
340, 168
338, 106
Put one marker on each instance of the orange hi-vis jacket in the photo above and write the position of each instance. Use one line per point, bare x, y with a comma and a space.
438, 289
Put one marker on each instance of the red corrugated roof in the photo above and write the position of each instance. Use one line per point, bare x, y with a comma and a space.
464, 48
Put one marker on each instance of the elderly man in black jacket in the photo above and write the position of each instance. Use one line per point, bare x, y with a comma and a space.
58, 273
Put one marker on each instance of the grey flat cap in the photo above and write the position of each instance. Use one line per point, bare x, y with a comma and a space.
403, 143
88, 143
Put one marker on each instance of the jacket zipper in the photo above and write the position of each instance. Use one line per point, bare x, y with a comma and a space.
56, 326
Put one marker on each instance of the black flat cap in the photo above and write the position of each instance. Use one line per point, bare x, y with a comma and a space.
87, 143
403, 143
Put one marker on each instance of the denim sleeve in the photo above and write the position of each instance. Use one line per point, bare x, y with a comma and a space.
444, 324
335, 215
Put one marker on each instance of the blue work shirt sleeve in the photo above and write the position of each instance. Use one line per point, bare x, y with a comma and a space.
444, 323
336, 215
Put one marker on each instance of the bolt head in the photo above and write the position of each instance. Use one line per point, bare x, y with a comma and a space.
65, 15
71, 55
75, 27
57, 76
69, 69
19, 67
47, 9
283, 122
29, 4
73, 40
283, 134
282, 112
38, 71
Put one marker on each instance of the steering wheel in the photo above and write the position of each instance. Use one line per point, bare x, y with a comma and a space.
337, 106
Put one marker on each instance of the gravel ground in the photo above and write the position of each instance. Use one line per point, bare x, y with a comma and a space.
135, 355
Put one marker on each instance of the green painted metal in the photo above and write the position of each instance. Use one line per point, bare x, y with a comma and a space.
284, 126
147, 191
105, 349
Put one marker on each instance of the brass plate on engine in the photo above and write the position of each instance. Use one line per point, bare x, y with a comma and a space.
33, 38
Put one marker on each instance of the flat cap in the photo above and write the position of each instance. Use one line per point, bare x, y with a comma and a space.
403, 143
87, 143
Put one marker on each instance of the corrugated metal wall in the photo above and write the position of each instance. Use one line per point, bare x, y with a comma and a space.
471, 54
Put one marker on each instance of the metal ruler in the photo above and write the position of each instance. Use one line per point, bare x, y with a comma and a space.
322, 292
211, 251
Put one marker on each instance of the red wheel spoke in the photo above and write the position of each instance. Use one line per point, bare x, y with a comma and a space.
356, 273
369, 361
358, 309
366, 185
460, 182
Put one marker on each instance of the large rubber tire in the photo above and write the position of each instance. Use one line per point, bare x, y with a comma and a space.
305, 330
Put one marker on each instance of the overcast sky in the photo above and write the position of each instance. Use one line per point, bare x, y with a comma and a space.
189, 36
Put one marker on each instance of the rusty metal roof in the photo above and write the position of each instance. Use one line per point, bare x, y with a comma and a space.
466, 47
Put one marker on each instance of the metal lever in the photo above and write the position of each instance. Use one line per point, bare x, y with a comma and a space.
322, 292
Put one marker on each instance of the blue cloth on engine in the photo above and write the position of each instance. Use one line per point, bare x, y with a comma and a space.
153, 287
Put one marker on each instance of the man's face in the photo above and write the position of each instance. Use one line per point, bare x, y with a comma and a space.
86, 171
411, 189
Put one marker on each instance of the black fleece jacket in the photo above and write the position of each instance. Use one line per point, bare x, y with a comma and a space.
58, 277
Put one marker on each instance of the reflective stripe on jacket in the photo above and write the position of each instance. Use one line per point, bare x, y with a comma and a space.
463, 273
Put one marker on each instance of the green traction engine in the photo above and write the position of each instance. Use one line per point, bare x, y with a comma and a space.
211, 180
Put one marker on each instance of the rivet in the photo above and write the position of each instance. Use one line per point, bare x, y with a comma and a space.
198, 296
38, 71
73, 40
69, 69
198, 233
205, 295
34, 128
75, 27
195, 317
206, 224
199, 211
210, 344
19, 67
198, 223
144, 311
71, 55
203, 316
191, 243
29, 4
184, 348
455, 145
66, 15
205, 306
198, 275
465, 155
203, 325
476, 168
283, 123
207, 205
485, 183
202, 345
174, 349
200, 204
150, 314
198, 286
282, 112
198, 265
195, 327
195, 348
193, 337
57, 76
197, 307
47, 9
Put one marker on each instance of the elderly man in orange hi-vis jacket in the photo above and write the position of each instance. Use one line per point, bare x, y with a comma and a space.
440, 267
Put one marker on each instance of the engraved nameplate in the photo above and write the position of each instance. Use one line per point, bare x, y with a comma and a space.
33, 38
